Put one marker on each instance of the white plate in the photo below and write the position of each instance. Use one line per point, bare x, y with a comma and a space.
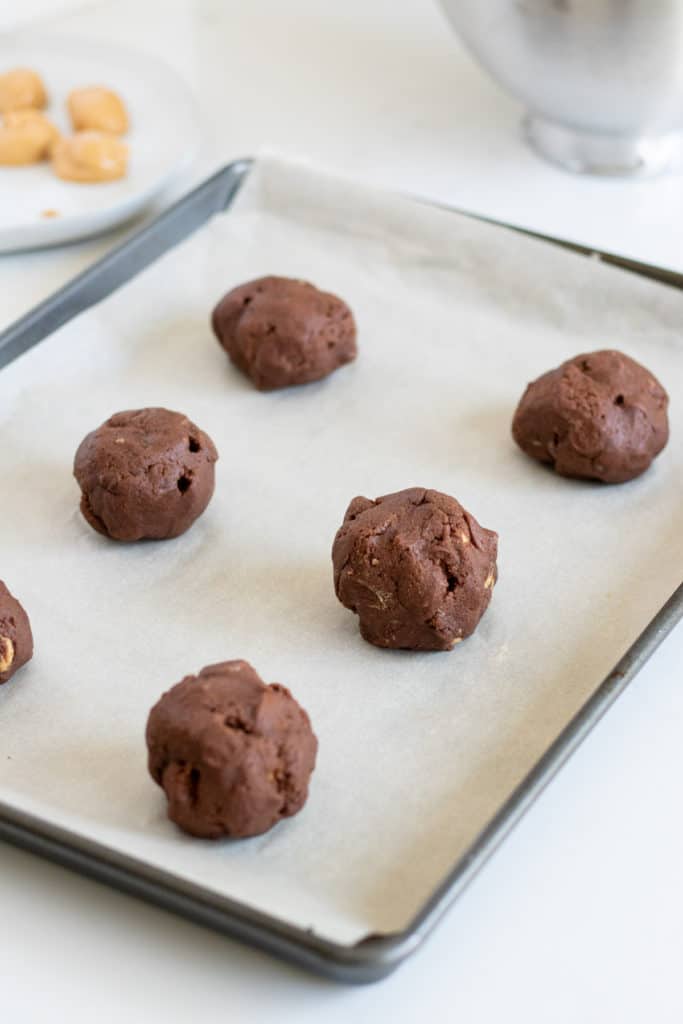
163, 138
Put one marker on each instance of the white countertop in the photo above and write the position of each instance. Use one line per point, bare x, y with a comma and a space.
578, 916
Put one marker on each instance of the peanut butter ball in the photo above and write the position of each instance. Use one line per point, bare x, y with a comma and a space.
90, 157
20, 89
97, 109
26, 137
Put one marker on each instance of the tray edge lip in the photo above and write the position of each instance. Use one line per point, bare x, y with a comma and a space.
369, 959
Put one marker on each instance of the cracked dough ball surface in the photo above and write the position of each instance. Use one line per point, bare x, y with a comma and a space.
232, 754
90, 158
598, 416
20, 89
145, 473
416, 568
97, 109
281, 332
16, 641
26, 137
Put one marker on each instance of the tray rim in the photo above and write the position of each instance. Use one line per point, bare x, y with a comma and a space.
377, 955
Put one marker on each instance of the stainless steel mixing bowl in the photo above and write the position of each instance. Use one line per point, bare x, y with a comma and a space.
602, 80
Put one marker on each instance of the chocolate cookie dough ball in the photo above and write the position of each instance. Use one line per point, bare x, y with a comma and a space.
282, 332
21, 89
145, 473
97, 109
600, 416
416, 568
232, 754
16, 641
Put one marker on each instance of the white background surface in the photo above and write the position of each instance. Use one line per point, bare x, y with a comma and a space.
578, 916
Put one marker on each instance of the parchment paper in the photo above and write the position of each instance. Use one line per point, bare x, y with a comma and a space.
416, 750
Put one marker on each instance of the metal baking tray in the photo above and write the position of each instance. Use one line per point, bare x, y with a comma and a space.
376, 955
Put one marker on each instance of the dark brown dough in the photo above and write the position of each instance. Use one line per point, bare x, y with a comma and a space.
416, 567
16, 641
232, 754
145, 473
600, 416
280, 331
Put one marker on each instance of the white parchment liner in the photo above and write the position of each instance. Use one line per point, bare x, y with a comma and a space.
416, 751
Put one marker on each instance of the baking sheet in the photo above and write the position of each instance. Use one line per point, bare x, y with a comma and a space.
416, 751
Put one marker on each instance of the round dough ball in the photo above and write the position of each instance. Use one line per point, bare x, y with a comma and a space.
97, 109
599, 416
233, 755
20, 89
280, 332
26, 137
416, 568
145, 473
16, 640
90, 158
